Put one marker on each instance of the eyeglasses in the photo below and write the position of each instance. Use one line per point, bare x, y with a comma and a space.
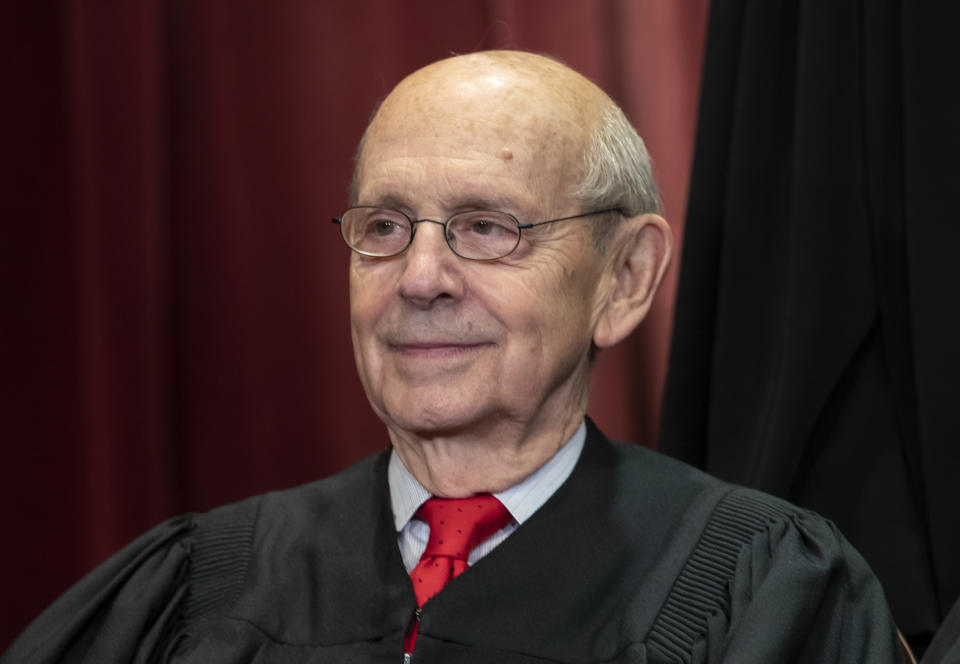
479, 235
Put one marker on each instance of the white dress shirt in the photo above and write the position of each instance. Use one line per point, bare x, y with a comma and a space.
521, 500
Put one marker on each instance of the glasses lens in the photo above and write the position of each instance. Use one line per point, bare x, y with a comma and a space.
375, 232
483, 235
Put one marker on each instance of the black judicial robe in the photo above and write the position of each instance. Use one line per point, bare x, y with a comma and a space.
637, 558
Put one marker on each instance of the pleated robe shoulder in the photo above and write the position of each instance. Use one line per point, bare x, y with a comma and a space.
637, 558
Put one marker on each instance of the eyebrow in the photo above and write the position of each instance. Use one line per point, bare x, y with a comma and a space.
462, 204
392, 201
502, 204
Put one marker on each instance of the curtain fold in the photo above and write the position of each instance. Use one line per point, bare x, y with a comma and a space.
179, 335
813, 336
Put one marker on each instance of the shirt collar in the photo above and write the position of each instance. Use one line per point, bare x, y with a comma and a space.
521, 500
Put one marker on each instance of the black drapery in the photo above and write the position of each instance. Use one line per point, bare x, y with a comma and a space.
818, 313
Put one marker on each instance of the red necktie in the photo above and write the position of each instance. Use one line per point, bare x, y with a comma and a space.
457, 526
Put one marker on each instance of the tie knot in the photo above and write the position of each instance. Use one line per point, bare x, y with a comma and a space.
457, 525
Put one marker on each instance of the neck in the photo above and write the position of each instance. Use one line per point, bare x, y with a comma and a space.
487, 461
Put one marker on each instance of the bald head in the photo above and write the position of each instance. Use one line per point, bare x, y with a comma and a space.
480, 366
515, 77
555, 126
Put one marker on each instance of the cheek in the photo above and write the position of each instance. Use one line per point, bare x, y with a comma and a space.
543, 315
566, 314
368, 303
367, 306
516, 304
368, 297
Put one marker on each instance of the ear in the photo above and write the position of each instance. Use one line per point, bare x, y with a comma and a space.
639, 255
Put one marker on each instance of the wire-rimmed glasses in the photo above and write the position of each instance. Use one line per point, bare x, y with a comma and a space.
479, 235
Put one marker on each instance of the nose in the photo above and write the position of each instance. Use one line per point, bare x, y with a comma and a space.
431, 271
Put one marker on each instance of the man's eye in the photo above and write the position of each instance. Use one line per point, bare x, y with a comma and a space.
487, 227
383, 227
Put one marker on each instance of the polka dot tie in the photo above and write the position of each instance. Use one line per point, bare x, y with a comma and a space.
457, 526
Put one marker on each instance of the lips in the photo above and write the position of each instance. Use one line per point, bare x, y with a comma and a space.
436, 347
437, 336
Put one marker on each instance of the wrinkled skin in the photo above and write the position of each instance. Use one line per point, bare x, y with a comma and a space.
480, 370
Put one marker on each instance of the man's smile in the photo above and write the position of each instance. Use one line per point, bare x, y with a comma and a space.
437, 349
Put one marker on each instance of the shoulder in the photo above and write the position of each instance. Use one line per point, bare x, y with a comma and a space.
717, 514
638, 478
321, 497
759, 572
730, 517
159, 592
647, 475
225, 540
700, 564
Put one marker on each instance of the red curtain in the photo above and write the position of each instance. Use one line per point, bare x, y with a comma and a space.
176, 333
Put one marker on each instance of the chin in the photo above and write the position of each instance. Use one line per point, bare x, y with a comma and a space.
434, 422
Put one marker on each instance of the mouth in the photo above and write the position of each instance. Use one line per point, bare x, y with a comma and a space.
436, 349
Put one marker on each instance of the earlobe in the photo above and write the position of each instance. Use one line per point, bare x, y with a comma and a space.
640, 255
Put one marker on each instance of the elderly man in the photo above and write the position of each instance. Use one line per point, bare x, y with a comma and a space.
503, 228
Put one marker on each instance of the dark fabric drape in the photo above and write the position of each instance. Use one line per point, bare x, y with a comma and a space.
175, 332
817, 317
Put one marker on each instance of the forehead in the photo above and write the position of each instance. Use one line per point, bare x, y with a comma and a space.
474, 132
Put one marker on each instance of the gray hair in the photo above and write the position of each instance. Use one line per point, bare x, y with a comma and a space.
617, 173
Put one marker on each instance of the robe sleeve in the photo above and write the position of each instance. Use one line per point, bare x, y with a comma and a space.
151, 600
126, 610
801, 593
945, 647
